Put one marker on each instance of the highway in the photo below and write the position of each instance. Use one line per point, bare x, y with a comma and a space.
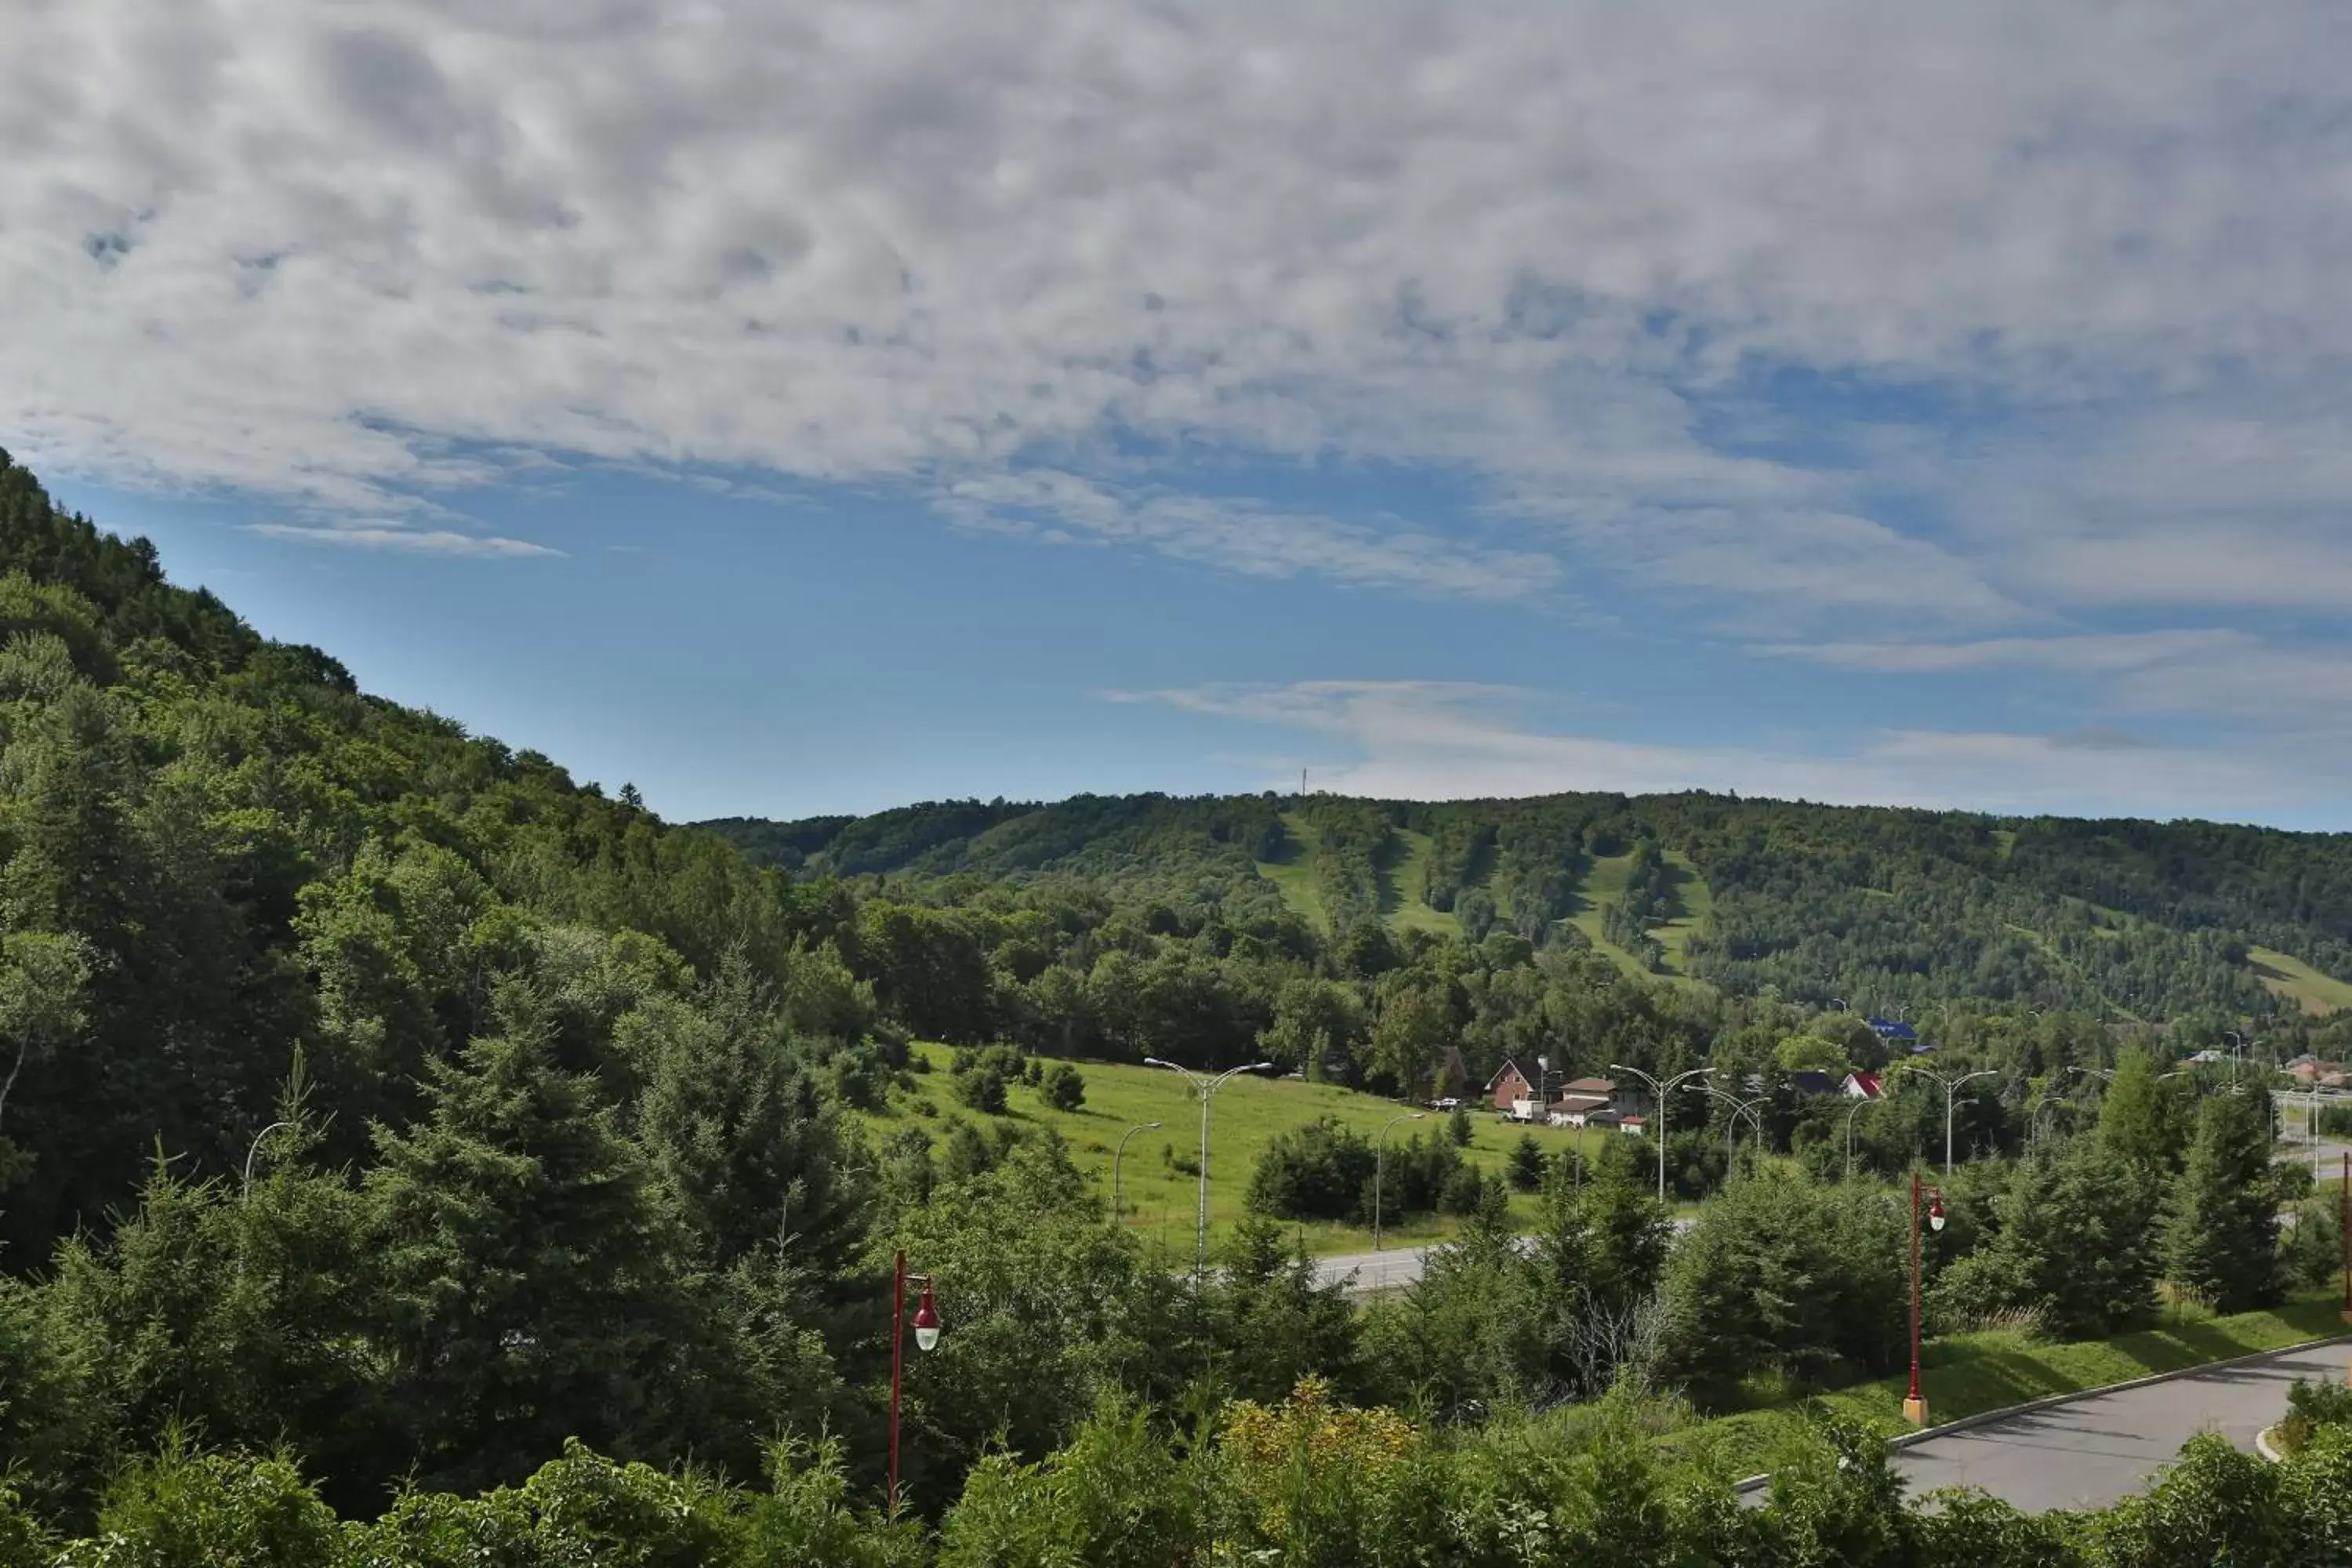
2095, 1449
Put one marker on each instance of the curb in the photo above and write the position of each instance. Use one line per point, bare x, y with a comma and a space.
2052, 1401
2262, 1446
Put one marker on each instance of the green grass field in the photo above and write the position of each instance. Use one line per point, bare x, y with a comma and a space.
2293, 978
1158, 1199
1401, 902
1603, 885
1970, 1373
1294, 875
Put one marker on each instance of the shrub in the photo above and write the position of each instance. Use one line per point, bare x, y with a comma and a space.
2311, 1405
983, 1089
1320, 1171
1063, 1088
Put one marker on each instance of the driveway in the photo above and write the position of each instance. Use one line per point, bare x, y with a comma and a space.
2091, 1451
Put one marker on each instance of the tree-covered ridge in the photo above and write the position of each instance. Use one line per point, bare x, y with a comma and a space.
213, 851
1889, 907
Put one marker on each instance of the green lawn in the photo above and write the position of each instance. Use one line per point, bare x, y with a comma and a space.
2293, 978
1970, 1373
1249, 1113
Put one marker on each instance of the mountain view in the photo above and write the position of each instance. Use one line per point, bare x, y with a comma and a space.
967, 783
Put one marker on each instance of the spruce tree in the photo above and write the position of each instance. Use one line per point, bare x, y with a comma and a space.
2139, 1116
532, 1281
2220, 1233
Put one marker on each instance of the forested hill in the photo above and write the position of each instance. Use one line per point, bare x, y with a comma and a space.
214, 852
1886, 907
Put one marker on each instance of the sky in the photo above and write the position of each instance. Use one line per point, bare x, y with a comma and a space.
811, 408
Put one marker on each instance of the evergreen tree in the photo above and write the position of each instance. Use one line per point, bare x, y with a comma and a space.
1527, 1163
2221, 1231
532, 1280
737, 1134
2141, 1117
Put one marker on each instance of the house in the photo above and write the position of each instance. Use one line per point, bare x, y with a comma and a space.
1861, 1086
1509, 1086
1637, 1125
1586, 1102
2205, 1058
1811, 1082
1894, 1032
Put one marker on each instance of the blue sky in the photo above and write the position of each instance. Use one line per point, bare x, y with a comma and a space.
812, 409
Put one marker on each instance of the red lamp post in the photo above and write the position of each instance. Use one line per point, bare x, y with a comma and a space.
927, 1336
1914, 1407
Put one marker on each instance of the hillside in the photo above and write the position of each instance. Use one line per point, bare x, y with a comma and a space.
1883, 907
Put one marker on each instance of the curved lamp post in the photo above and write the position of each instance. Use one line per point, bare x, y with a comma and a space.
1121, 1155
1914, 1407
1739, 1108
1858, 1105
927, 1338
1951, 1087
1380, 1166
246, 1191
1660, 1091
1206, 1087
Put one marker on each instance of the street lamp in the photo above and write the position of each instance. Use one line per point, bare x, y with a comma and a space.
927, 1338
246, 1191
1660, 1091
1859, 1103
2237, 1048
1121, 1155
1739, 1108
1380, 1166
1914, 1407
1206, 1087
1951, 1087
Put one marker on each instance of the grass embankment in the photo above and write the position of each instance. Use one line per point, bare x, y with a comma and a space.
1250, 1113
1968, 1374
2290, 977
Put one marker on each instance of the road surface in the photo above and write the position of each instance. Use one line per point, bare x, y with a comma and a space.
1395, 1267
2091, 1451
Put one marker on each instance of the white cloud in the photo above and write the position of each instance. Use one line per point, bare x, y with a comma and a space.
2087, 653
340, 253
1435, 741
404, 540
1241, 536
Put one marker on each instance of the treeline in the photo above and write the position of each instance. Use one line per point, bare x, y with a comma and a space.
1887, 908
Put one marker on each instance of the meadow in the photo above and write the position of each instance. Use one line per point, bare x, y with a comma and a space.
1158, 1197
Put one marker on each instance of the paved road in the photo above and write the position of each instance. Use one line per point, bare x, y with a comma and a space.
1395, 1267
2091, 1451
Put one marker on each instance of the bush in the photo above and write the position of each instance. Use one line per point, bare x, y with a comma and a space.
2311, 1405
1457, 1127
1466, 1189
1527, 1163
1063, 1088
1320, 1171
982, 1090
